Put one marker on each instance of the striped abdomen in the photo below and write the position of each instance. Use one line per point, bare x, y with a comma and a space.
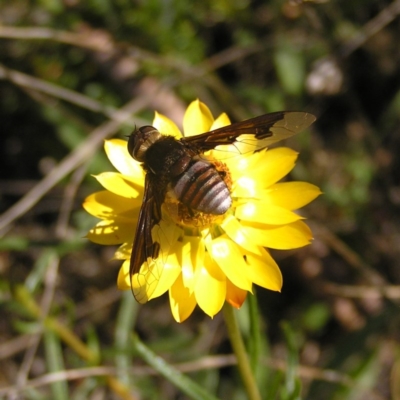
202, 188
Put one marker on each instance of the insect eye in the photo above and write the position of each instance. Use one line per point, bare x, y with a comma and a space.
140, 140
131, 141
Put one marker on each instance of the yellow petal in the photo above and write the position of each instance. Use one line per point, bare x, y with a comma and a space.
221, 121
230, 259
233, 229
183, 253
123, 252
262, 212
170, 271
246, 186
110, 233
241, 165
191, 257
109, 206
291, 236
197, 250
149, 283
198, 119
166, 126
155, 278
290, 195
117, 153
120, 184
166, 234
273, 165
123, 280
253, 172
235, 296
182, 302
210, 289
263, 270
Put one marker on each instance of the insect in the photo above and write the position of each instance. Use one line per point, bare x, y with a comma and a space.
178, 166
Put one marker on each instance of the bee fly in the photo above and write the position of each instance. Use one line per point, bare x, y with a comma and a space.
196, 183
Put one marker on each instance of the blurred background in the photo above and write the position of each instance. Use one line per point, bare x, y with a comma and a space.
74, 72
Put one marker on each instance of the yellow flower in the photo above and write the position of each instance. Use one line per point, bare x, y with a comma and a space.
211, 260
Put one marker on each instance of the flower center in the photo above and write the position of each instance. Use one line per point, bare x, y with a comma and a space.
194, 221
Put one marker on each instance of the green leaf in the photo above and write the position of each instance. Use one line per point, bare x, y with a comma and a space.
37, 275
125, 320
292, 386
13, 243
55, 363
181, 381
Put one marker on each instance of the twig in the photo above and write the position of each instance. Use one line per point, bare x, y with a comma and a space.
29, 82
70, 192
90, 40
15, 345
76, 39
100, 41
372, 27
364, 292
205, 363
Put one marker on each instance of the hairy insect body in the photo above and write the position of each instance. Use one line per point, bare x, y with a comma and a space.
202, 188
196, 182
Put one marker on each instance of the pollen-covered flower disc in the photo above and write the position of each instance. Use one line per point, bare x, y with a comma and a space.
205, 258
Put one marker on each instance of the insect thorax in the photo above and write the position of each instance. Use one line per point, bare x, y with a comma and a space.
164, 154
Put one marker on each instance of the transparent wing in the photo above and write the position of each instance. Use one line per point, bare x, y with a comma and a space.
144, 249
253, 134
153, 264
157, 274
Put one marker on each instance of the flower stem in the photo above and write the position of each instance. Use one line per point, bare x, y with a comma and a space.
236, 340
